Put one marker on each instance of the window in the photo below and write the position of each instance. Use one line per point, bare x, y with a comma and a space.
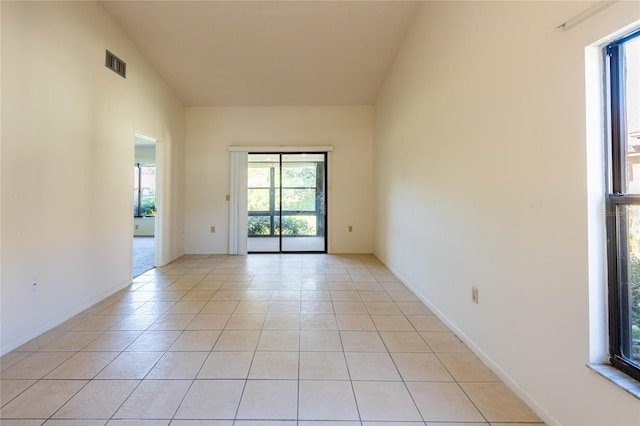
622, 59
144, 191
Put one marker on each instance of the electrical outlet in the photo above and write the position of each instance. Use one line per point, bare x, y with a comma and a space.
228, 197
213, 229
350, 228
474, 294
137, 226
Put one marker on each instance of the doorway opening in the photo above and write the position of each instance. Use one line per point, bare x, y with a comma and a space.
286, 203
144, 205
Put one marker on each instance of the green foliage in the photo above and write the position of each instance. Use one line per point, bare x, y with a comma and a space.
635, 290
260, 226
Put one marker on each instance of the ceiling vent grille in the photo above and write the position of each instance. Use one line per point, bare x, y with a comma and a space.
116, 64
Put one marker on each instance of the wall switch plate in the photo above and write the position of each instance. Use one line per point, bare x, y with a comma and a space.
474, 294
213, 229
228, 197
350, 228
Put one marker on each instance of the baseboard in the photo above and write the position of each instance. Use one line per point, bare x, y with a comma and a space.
55, 322
490, 363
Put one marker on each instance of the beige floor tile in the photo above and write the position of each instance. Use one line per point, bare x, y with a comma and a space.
252, 307
99, 399
382, 308
240, 321
12, 358
375, 296
349, 308
202, 423
427, 323
9, 389
219, 307
419, 367
99, 322
66, 422
402, 296
444, 342
404, 341
315, 295
327, 423
408, 424
279, 341
209, 322
355, 322
115, 341
257, 295
83, 365
443, 402
467, 368
345, 296
72, 341
327, 400
318, 322
385, 401
237, 341
323, 366
190, 307
371, 366
154, 399
138, 423
211, 399
178, 365
498, 403
21, 422
42, 399
130, 365
172, 322
228, 295
136, 322
392, 323
316, 306
159, 308
274, 365
413, 308
269, 399
35, 366
195, 341
282, 321
197, 295
284, 307
154, 341
265, 423
319, 341
362, 341
342, 286
226, 365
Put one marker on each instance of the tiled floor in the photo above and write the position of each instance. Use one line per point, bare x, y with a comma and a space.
261, 340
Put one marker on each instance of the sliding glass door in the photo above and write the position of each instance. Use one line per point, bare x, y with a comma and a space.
286, 202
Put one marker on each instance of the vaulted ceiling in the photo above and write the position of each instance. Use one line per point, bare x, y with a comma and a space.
250, 53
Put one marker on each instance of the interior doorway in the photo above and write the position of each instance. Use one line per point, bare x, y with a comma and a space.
286, 202
144, 205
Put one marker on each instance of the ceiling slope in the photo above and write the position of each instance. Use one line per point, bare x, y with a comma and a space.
253, 53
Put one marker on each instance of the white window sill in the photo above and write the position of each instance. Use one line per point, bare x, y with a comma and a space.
618, 378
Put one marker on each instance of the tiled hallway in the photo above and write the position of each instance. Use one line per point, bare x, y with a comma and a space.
257, 340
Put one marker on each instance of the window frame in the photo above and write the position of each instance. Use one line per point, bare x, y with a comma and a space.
616, 199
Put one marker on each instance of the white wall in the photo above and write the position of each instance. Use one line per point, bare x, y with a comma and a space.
68, 128
211, 130
480, 180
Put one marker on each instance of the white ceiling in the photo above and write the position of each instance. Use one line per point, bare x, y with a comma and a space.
250, 53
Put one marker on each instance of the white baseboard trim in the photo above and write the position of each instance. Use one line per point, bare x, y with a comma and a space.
506, 379
55, 322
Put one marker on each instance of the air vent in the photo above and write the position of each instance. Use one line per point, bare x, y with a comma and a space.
115, 64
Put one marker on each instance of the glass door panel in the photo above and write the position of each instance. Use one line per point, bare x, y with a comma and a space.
286, 203
263, 203
303, 198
